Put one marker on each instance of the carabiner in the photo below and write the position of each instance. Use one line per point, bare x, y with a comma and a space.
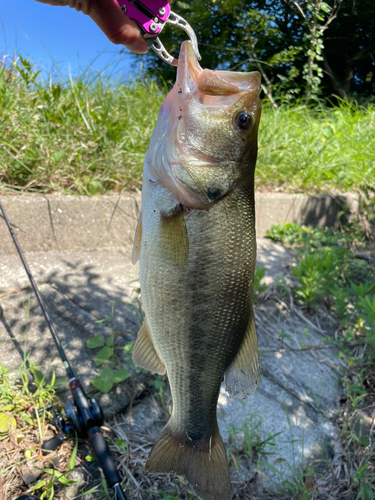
151, 16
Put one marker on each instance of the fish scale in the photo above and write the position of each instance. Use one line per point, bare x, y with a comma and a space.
195, 241
199, 302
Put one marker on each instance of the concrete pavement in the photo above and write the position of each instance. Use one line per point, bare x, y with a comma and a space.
79, 252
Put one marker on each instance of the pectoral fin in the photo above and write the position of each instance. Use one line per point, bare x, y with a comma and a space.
242, 376
137, 241
174, 235
144, 353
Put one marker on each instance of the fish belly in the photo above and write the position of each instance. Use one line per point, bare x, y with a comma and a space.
198, 311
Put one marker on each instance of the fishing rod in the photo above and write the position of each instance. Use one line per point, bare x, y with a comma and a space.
85, 415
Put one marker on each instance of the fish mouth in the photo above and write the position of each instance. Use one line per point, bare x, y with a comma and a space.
188, 70
194, 121
192, 78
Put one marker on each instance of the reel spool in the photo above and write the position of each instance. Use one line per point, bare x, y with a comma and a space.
70, 422
73, 416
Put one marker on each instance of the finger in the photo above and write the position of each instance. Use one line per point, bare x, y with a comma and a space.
119, 29
58, 3
108, 15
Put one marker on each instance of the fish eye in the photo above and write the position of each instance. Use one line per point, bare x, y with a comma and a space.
243, 120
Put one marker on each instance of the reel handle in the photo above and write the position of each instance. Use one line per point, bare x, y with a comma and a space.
53, 444
27, 497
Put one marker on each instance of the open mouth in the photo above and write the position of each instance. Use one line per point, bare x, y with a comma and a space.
191, 76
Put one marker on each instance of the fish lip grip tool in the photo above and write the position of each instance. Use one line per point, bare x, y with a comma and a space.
151, 17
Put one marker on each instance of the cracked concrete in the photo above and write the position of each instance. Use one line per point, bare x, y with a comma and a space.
80, 289
91, 279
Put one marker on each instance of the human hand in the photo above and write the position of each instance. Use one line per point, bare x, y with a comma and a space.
108, 15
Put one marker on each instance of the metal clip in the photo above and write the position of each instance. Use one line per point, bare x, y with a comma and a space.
151, 16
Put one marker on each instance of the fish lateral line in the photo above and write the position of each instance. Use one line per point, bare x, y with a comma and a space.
199, 270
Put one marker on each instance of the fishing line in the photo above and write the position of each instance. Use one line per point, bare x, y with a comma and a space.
86, 415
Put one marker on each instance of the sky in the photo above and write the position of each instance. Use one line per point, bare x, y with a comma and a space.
45, 34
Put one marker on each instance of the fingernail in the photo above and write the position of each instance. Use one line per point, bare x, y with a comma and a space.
138, 47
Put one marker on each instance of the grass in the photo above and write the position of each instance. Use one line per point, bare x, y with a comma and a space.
83, 136
26, 401
334, 272
89, 135
24, 425
249, 448
317, 150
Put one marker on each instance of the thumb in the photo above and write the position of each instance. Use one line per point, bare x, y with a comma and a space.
119, 29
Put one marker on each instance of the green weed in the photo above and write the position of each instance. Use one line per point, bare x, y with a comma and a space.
327, 270
86, 135
24, 413
17, 398
258, 287
315, 272
159, 384
249, 441
89, 135
362, 478
109, 376
46, 486
316, 150
106, 379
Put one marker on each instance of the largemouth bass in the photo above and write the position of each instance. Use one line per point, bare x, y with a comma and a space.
195, 241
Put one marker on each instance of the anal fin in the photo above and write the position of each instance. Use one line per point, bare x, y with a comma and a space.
137, 241
144, 353
243, 374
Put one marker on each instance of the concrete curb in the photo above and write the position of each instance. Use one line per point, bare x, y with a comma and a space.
55, 222
323, 210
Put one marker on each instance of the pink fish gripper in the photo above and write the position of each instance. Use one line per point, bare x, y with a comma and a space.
151, 17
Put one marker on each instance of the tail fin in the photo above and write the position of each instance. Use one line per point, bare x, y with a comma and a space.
203, 462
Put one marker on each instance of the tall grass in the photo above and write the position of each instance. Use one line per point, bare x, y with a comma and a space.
82, 135
317, 149
89, 135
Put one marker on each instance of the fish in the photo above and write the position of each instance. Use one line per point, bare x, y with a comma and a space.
195, 242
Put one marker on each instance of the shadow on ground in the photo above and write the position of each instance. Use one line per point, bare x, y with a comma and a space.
86, 294
90, 293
